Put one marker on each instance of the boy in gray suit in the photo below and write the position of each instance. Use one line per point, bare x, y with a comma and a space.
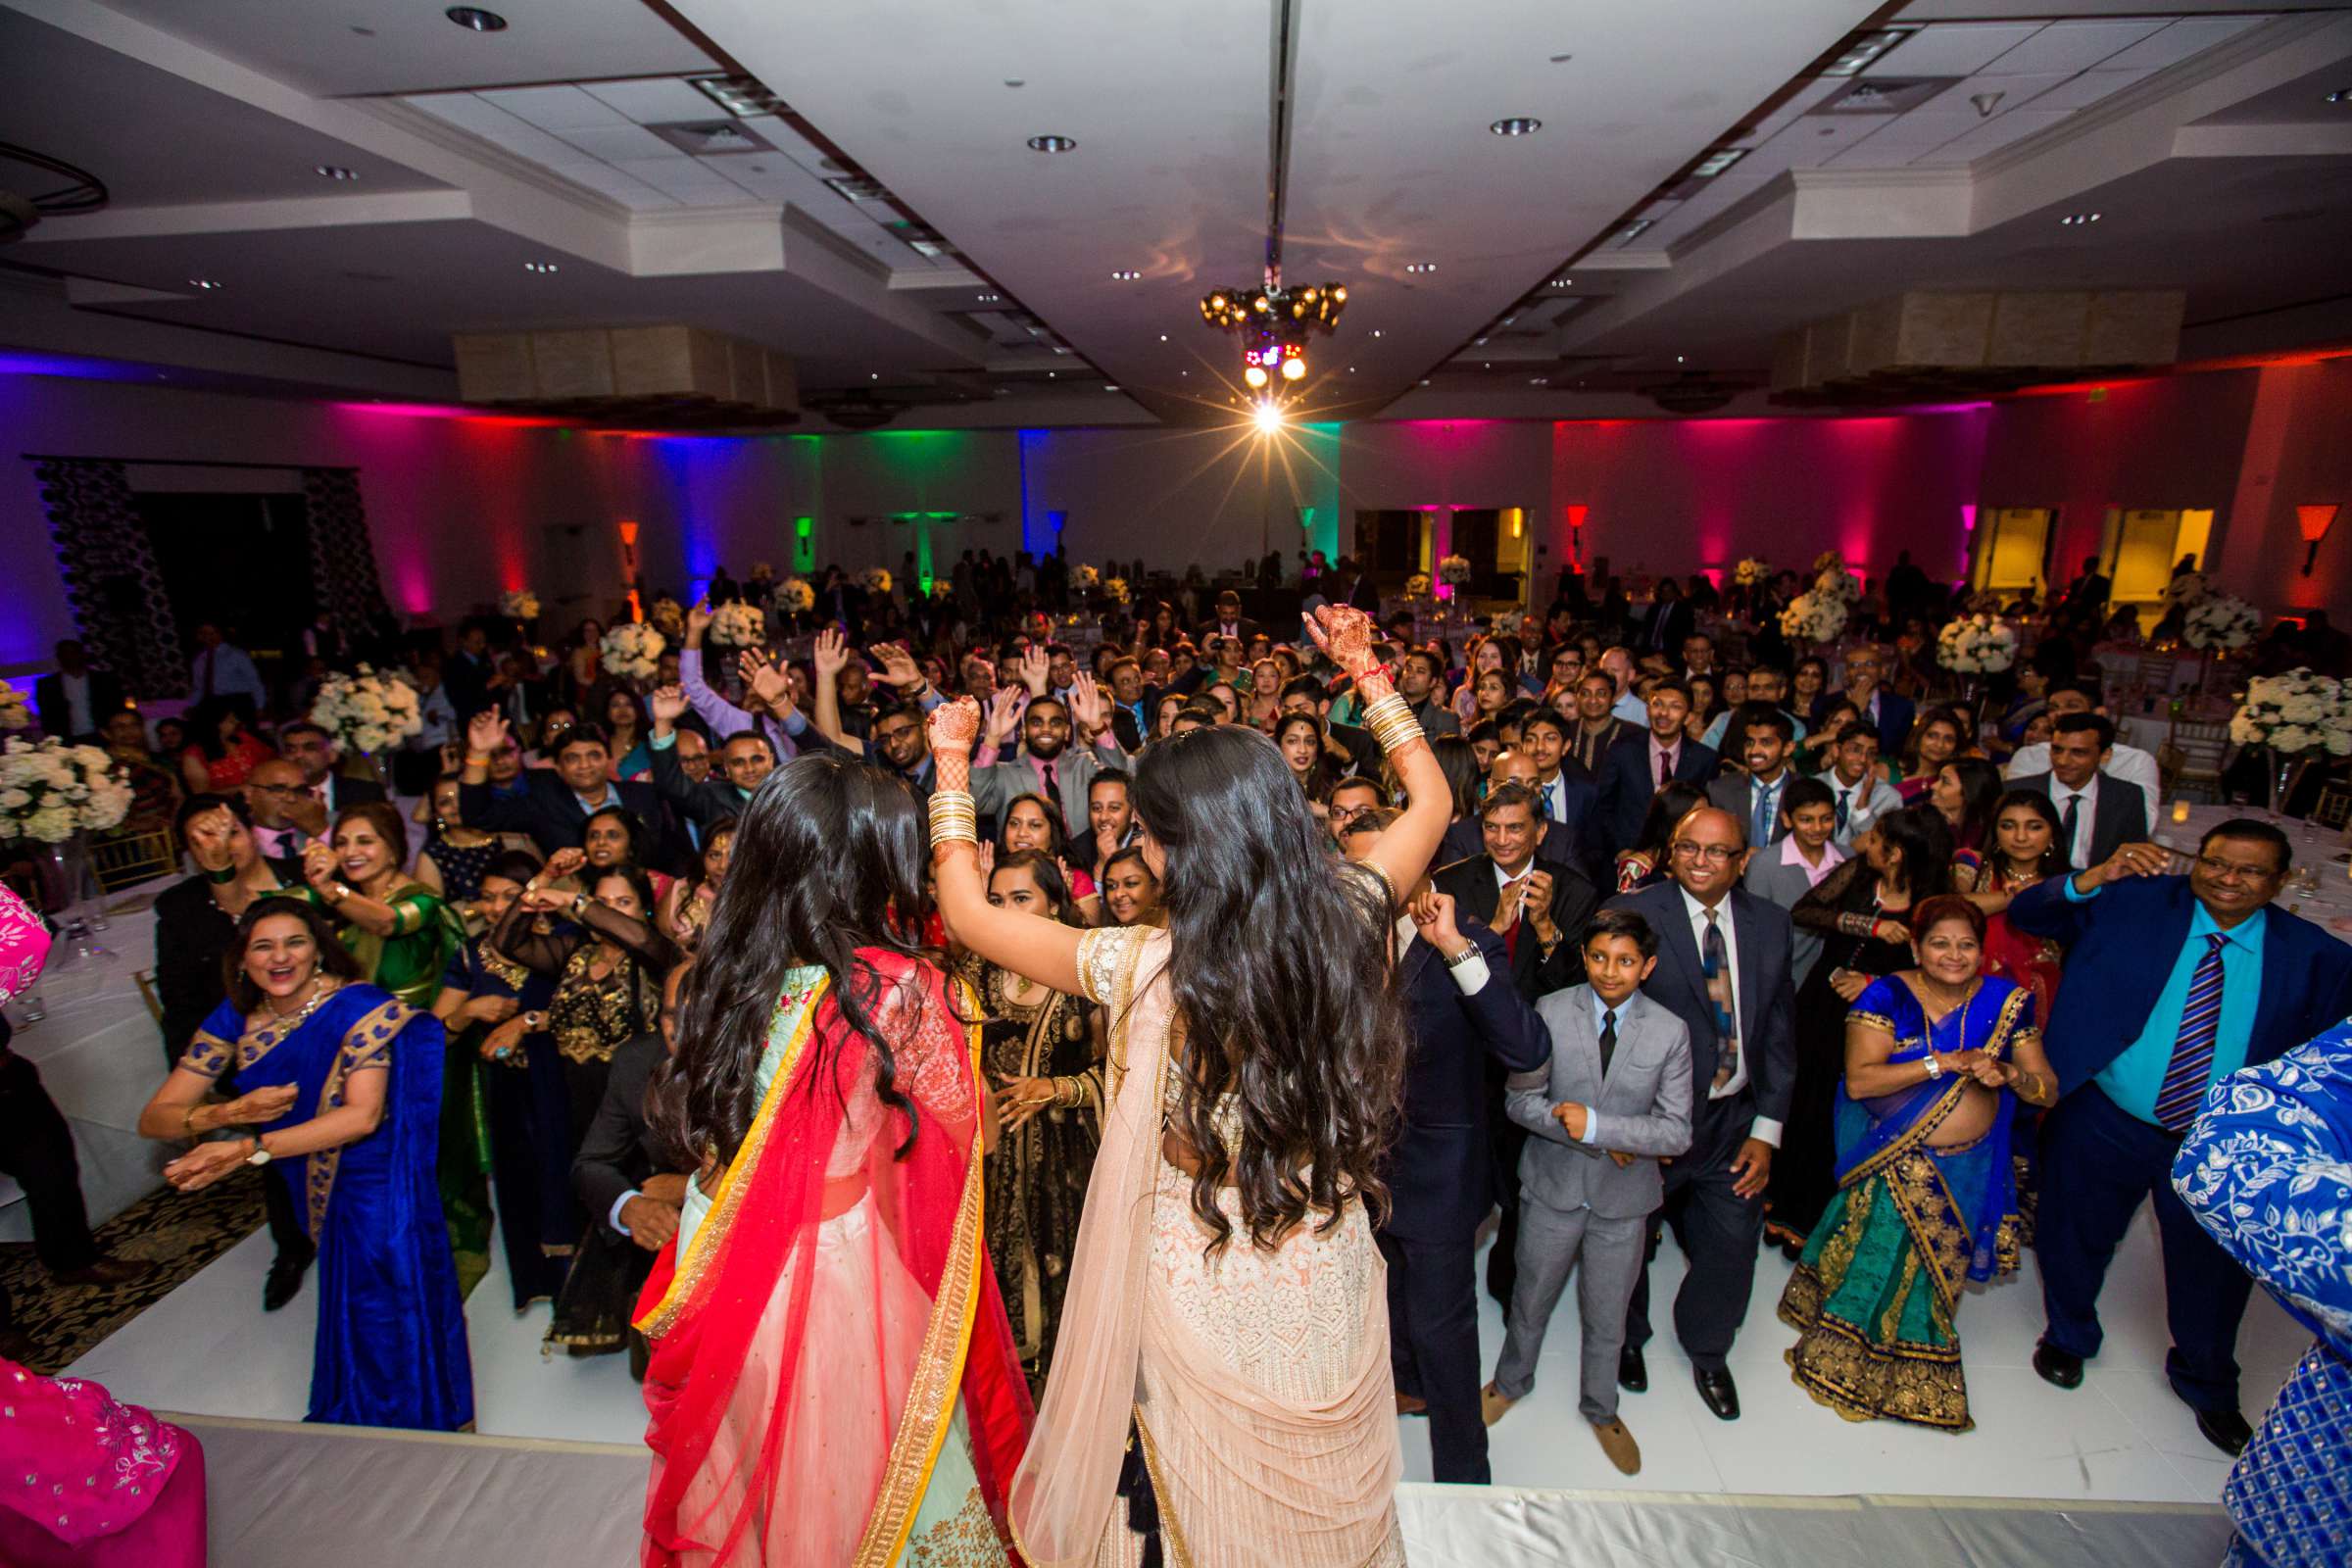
1614, 1101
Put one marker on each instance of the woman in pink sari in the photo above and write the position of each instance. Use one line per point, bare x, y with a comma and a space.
84, 1481
832, 1379
1221, 1395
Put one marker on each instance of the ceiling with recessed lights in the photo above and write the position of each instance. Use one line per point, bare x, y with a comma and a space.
1011, 213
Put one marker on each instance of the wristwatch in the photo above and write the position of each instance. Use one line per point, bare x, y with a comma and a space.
1464, 956
260, 1155
1935, 1067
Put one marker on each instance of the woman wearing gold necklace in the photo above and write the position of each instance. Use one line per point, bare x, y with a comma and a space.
1040, 1048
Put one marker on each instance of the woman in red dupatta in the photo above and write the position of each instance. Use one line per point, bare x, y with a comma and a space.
832, 1381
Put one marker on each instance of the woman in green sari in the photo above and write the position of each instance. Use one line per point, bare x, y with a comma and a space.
403, 933
1936, 1059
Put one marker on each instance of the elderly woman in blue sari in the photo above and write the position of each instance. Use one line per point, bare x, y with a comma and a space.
1936, 1059
342, 1090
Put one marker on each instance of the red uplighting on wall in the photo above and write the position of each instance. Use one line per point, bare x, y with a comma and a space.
1576, 533
2315, 521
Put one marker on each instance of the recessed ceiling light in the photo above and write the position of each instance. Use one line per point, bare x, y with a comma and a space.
2075, 219
2341, 95
1163, 337
540, 267
741, 96
1715, 163
1050, 376
204, 282
1864, 48
1678, 358
1420, 267
1015, 82
1376, 332
1633, 231
1051, 145
1482, 342
989, 299
1110, 388
1125, 274
476, 18
1561, 60
1516, 125
1563, 282
333, 172
1538, 381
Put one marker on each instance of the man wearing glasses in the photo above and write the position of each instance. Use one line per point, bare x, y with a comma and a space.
1723, 970
1350, 797
2171, 983
1888, 713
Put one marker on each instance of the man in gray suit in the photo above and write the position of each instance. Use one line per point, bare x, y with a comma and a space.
1614, 1099
1048, 764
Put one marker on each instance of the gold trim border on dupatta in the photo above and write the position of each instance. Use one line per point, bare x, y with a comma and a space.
732, 1182
929, 1410
318, 1174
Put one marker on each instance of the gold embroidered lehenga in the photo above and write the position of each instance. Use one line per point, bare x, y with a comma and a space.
1038, 1173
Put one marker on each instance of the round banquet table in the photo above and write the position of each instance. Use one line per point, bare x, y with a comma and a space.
2319, 886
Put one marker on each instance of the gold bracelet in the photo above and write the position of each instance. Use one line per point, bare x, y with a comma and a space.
955, 819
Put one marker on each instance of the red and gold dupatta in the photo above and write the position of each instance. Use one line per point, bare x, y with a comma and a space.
809, 1350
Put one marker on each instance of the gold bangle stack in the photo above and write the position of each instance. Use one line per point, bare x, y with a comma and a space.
1391, 724
955, 819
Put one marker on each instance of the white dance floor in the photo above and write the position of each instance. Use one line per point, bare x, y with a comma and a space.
2122, 1438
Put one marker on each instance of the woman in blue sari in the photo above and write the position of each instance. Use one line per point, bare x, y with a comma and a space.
1936, 1059
342, 1086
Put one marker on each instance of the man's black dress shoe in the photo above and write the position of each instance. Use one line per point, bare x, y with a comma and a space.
286, 1279
2225, 1430
1633, 1372
2057, 1366
1721, 1393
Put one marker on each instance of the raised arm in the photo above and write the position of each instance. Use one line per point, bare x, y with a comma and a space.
832, 652
512, 936
1041, 951
1405, 850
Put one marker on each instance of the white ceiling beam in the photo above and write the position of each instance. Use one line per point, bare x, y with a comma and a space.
2299, 139
259, 217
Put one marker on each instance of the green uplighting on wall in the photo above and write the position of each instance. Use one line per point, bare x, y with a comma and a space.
804, 542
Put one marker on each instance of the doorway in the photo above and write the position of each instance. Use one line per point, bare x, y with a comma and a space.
241, 560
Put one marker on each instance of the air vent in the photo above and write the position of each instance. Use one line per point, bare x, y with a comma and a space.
713, 138
1883, 95
1926, 347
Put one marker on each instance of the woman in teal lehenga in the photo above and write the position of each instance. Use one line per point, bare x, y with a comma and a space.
1936, 1058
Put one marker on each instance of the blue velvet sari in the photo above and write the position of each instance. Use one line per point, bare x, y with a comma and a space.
1912, 1224
391, 1345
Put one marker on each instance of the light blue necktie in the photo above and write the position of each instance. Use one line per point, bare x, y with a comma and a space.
1759, 828
2192, 1071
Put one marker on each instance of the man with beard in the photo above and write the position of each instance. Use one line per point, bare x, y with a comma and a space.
1048, 765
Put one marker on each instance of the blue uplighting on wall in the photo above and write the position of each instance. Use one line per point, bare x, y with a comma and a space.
1038, 530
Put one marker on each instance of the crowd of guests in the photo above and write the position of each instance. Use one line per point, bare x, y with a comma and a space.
1773, 946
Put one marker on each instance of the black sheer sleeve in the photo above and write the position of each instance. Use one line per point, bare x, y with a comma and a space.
545, 952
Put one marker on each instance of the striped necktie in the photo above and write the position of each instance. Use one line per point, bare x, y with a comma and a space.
2192, 1071
1715, 966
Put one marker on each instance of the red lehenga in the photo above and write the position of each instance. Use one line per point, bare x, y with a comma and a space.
831, 1348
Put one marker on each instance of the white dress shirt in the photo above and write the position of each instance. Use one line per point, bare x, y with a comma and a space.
1470, 976
1555, 795
2078, 851
1632, 709
76, 690
2128, 763
1764, 1128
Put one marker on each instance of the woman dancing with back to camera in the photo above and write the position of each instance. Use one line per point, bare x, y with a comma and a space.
832, 1379
1221, 1381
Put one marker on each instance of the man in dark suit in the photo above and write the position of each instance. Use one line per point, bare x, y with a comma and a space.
745, 760
2086, 598
1888, 713
2097, 814
2171, 984
1732, 989
1417, 675
1228, 621
312, 749
1534, 903
470, 671
1638, 767
1667, 622
1357, 587
1763, 736
556, 802
1467, 1023
77, 700
620, 1175
1569, 793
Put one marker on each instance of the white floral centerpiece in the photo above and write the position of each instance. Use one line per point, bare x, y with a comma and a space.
15, 711
519, 603
1114, 589
796, 597
739, 625
1831, 580
632, 650
1815, 617
2220, 621
1977, 645
2188, 589
2297, 712
1753, 571
1086, 579
1453, 570
875, 579
50, 791
368, 710
1417, 585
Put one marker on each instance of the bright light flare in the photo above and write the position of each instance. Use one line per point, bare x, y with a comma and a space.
1268, 417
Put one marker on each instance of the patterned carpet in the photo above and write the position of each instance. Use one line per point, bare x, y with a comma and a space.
180, 1234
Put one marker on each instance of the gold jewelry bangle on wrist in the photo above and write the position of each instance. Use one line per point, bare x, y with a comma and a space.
955, 819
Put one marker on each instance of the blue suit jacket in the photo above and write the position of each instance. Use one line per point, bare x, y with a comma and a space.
1895, 714
1626, 788
1441, 1171
1766, 994
2120, 951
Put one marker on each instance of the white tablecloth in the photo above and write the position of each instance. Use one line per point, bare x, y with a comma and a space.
2319, 887
101, 1058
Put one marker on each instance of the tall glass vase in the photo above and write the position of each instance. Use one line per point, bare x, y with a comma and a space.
76, 902
2284, 774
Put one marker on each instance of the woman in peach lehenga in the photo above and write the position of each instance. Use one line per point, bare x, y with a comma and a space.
832, 1381
1222, 1379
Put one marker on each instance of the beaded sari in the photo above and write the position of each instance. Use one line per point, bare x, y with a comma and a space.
1911, 1224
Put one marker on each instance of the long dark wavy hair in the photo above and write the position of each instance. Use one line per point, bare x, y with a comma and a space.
827, 856
1280, 969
